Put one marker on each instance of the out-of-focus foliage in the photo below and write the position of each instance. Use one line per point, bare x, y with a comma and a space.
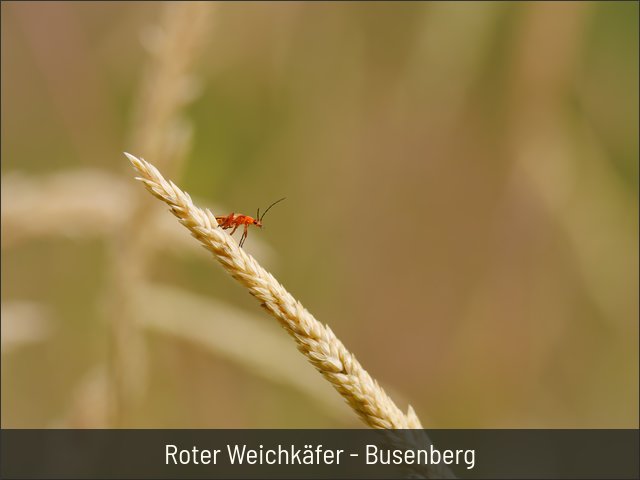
462, 183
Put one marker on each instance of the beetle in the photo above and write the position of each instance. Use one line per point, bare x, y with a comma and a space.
233, 220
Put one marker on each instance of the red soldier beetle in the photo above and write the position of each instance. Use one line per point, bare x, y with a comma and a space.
233, 220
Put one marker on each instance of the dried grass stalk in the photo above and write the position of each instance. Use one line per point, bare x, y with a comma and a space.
48, 205
315, 340
160, 130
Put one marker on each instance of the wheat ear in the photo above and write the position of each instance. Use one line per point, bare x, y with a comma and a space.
315, 340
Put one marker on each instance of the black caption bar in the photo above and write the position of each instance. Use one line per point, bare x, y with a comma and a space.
214, 454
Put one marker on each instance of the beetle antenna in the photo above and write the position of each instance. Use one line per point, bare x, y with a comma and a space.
269, 207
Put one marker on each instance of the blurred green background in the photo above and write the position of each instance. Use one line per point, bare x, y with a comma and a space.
462, 211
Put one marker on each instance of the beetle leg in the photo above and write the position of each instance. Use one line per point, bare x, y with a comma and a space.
234, 229
244, 235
